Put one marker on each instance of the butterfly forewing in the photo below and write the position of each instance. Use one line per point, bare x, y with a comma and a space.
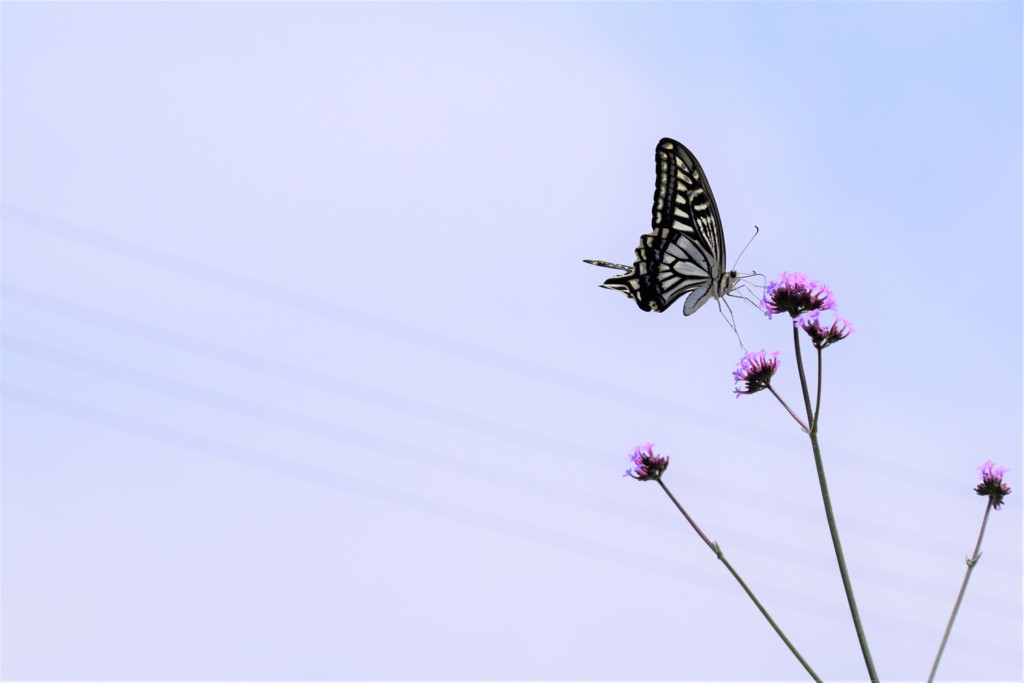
683, 200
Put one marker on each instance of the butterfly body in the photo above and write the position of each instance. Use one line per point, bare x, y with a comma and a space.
685, 250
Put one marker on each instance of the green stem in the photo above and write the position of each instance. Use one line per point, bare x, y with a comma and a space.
803, 375
971, 561
786, 406
817, 399
847, 585
812, 419
721, 556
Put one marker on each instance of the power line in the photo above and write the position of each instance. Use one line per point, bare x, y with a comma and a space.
376, 443
463, 350
547, 535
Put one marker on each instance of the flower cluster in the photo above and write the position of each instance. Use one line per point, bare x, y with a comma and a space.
646, 465
755, 370
821, 335
992, 483
795, 293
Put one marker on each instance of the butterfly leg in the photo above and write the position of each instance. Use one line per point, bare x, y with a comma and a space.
747, 294
731, 319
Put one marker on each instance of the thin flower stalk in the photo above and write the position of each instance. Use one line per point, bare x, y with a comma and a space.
803, 375
717, 550
805, 300
785, 405
817, 398
995, 489
833, 529
971, 562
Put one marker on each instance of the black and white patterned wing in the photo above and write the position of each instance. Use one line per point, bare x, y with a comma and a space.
683, 201
685, 250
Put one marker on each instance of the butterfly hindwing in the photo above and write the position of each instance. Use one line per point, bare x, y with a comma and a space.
675, 253
607, 264
698, 297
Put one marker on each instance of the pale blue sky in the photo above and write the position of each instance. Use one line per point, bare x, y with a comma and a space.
304, 377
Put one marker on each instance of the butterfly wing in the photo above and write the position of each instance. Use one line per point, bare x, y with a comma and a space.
685, 250
683, 201
607, 264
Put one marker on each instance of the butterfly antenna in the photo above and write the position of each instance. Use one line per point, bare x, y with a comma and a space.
756, 230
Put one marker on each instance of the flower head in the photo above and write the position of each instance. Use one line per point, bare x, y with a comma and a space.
646, 465
795, 293
822, 336
992, 483
756, 371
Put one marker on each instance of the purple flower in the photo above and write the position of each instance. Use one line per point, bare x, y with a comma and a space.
992, 483
646, 465
795, 293
756, 370
822, 336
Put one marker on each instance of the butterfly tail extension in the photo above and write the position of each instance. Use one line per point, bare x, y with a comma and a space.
607, 264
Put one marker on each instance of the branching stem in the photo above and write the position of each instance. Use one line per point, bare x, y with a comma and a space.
812, 419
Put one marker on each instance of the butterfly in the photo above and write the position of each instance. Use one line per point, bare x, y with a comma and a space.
685, 249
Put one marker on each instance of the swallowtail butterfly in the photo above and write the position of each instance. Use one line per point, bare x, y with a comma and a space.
685, 249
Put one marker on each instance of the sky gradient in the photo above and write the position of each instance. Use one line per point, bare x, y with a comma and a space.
304, 377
